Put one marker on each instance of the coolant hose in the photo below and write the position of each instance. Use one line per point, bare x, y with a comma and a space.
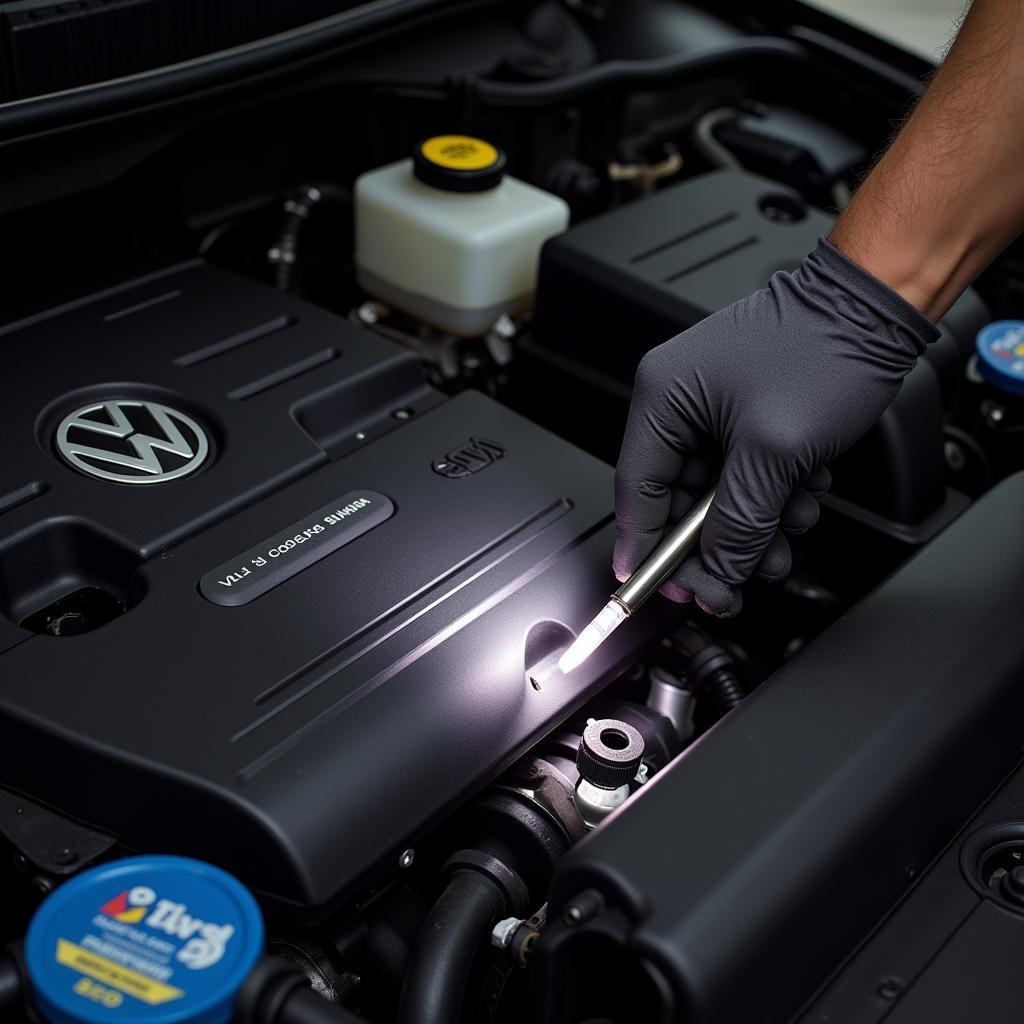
455, 930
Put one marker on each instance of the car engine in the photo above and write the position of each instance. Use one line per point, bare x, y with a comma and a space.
294, 529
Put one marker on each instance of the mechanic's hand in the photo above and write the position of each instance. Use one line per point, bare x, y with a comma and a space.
774, 386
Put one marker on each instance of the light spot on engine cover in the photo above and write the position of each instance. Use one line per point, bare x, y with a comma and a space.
546, 641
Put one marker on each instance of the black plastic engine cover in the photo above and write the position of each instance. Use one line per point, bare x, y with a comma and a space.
279, 387
619, 284
952, 949
299, 721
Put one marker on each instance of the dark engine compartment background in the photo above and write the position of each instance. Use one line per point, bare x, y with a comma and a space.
340, 739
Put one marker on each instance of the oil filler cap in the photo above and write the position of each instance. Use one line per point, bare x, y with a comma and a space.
609, 753
145, 940
1000, 347
458, 163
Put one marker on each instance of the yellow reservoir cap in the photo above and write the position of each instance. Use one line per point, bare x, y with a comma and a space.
458, 163
460, 152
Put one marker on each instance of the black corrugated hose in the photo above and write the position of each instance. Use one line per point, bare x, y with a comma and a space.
298, 208
709, 667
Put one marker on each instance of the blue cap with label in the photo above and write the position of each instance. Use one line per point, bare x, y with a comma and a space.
145, 940
1000, 347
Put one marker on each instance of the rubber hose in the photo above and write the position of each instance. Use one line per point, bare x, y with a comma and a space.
277, 992
709, 667
284, 252
304, 1006
455, 930
10, 990
724, 688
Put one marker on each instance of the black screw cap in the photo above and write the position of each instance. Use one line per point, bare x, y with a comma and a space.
609, 753
458, 163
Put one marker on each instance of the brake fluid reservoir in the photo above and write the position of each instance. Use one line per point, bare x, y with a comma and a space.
448, 237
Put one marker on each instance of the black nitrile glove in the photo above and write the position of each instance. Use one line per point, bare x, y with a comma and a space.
774, 387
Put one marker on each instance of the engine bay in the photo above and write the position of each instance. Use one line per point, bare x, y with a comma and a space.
293, 532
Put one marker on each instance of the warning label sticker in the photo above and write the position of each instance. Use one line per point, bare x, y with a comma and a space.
124, 979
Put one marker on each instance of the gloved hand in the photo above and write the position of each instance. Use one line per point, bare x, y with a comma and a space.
768, 390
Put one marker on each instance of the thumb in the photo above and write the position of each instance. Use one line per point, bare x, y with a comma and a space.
744, 516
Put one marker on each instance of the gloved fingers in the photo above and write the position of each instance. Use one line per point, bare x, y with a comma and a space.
718, 598
803, 510
650, 463
800, 512
749, 499
715, 595
699, 470
777, 559
693, 581
682, 500
818, 481
798, 515
642, 509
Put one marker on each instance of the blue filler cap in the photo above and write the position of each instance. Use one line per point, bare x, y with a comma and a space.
145, 940
1000, 348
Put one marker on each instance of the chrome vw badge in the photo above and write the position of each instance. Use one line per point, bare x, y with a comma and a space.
130, 441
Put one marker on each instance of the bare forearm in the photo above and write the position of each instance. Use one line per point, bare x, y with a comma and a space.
948, 195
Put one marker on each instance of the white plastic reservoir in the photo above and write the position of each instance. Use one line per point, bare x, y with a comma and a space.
451, 239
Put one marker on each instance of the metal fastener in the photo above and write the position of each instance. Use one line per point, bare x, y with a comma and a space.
890, 988
501, 936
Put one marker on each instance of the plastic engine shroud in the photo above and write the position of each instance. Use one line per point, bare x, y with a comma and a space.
368, 676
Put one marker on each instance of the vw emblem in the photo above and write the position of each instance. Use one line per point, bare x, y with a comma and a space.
130, 441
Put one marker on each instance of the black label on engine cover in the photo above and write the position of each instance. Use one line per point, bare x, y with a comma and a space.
296, 547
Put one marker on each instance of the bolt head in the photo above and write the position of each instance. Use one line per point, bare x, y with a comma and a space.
501, 936
504, 327
890, 988
955, 458
407, 859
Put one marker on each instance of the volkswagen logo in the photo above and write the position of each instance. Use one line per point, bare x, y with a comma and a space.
130, 441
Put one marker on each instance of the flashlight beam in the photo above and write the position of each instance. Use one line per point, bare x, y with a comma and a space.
612, 615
